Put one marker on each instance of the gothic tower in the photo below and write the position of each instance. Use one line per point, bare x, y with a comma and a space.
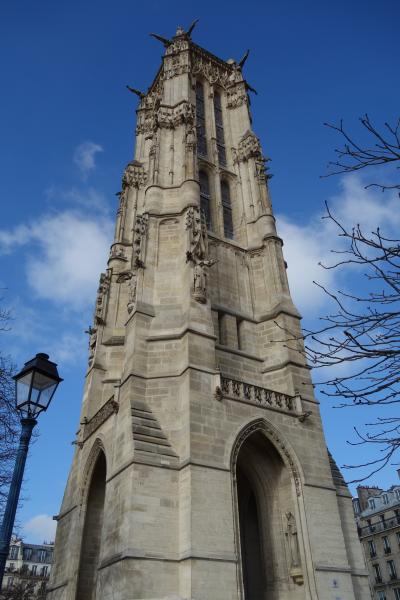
200, 470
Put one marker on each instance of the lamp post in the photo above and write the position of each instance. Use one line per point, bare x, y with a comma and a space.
35, 386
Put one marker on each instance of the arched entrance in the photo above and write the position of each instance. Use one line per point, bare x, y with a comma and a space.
90, 549
269, 549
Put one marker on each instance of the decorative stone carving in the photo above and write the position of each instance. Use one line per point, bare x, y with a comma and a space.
176, 65
190, 137
215, 72
258, 395
99, 313
139, 240
236, 96
92, 331
101, 300
132, 291
172, 116
271, 433
134, 176
200, 279
294, 551
146, 122
131, 277
197, 253
122, 201
108, 409
197, 239
249, 147
117, 252
138, 259
178, 45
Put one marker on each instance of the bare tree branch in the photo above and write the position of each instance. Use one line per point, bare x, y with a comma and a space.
384, 149
363, 331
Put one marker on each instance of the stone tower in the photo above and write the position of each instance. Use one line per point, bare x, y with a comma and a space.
201, 469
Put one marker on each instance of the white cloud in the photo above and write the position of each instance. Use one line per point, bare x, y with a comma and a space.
70, 348
307, 245
85, 156
88, 198
67, 251
39, 529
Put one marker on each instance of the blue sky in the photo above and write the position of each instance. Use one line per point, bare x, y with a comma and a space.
67, 126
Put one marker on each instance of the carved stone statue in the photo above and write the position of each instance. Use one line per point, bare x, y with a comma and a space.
92, 331
293, 542
139, 240
99, 313
200, 279
197, 252
132, 291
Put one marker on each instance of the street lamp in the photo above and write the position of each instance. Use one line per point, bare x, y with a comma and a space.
35, 386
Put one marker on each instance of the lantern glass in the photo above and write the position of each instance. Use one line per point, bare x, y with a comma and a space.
43, 388
35, 386
24, 391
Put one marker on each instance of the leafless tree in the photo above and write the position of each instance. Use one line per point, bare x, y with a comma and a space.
9, 423
383, 148
363, 331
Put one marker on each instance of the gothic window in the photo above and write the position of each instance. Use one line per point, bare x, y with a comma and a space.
200, 120
227, 210
205, 200
219, 126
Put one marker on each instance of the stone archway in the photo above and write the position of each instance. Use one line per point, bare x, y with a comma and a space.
270, 564
91, 540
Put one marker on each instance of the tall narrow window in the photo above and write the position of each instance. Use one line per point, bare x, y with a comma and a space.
392, 569
386, 545
200, 120
377, 571
219, 126
227, 210
205, 198
372, 548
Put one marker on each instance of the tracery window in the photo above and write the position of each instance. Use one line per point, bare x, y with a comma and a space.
227, 210
200, 120
205, 198
219, 126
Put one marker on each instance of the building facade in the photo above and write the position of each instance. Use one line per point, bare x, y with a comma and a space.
377, 515
201, 469
28, 564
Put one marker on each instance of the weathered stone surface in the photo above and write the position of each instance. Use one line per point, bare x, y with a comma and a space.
218, 484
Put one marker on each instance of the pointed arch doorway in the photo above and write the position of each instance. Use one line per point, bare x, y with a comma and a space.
268, 547
91, 540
